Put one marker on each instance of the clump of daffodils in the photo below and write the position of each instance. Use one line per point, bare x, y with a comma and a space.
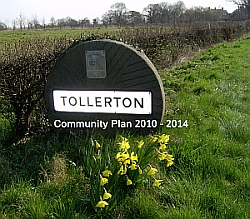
106, 195
127, 161
131, 162
161, 152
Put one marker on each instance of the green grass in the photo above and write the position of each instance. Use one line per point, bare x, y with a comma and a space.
11, 36
212, 155
211, 174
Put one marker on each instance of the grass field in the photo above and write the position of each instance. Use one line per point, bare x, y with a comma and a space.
210, 178
14, 36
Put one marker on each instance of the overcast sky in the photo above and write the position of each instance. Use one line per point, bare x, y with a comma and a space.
79, 9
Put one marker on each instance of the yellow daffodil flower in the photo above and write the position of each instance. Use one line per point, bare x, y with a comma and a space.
102, 204
152, 171
139, 170
124, 139
126, 161
122, 170
106, 195
162, 147
106, 173
162, 155
169, 163
124, 145
165, 156
133, 166
169, 157
94, 143
157, 183
129, 182
154, 138
133, 157
118, 155
140, 143
122, 157
163, 139
97, 145
103, 181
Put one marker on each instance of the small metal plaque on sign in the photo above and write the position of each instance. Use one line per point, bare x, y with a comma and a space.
96, 64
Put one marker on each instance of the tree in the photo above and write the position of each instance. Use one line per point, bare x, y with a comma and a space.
244, 4
52, 22
43, 23
84, 22
70, 22
3, 26
96, 21
21, 21
153, 13
14, 24
134, 17
119, 10
35, 22
177, 10
108, 18
61, 23
239, 14
194, 14
164, 12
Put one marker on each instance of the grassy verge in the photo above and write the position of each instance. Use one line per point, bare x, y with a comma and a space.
211, 174
212, 92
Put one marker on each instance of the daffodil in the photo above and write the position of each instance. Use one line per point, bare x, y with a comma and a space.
139, 170
152, 171
133, 157
157, 183
126, 161
169, 157
106, 173
106, 195
122, 170
154, 138
162, 155
169, 163
163, 139
129, 182
118, 155
97, 145
140, 143
123, 157
124, 139
162, 147
102, 204
165, 156
94, 143
103, 181
124, 145
133, 166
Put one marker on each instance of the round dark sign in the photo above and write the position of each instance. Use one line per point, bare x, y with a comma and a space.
104, 84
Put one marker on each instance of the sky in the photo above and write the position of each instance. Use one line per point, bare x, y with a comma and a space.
79, 9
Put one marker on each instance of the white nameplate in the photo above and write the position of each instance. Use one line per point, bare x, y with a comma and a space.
127, 102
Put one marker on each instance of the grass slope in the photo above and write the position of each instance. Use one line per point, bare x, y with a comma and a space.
212, 155
211, 174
